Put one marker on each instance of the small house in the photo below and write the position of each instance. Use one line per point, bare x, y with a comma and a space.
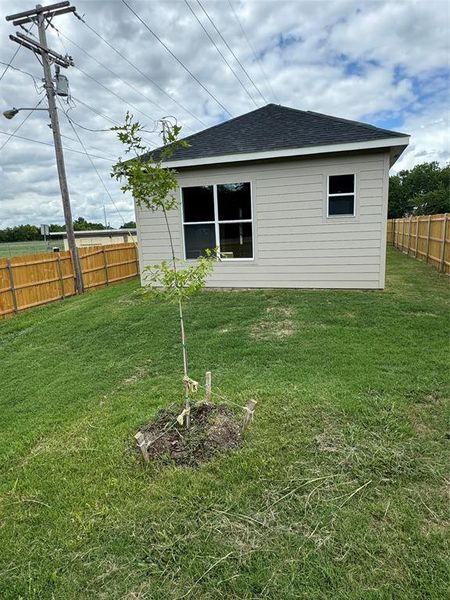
98, 237
292, 199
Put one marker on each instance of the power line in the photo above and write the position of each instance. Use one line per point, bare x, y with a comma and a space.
20, 124
90, 160
180, 62
231, 50
95, 169
162, 90
115, 94
104, 116
117, 77
21, 137
36, 85
221, 54
8, 65
112, 158
97, 112
255, 56
109, 90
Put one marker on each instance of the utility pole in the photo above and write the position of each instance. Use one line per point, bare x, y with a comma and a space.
40, 15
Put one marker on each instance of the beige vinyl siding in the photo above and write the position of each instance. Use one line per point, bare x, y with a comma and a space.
295, 244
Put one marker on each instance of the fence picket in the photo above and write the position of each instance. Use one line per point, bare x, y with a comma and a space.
32, 280
431, 239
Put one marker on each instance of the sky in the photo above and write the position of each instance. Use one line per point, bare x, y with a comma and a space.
382, 62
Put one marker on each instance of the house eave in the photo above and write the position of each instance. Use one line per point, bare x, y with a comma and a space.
399, 143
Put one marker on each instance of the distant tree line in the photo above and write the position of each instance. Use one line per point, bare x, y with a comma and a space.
422, 190
29, 233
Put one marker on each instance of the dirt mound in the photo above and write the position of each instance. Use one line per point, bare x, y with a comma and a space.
214, 429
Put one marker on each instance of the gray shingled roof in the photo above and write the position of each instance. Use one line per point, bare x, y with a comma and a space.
276, 127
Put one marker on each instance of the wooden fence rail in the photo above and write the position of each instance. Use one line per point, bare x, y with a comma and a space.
424, 238
34, 279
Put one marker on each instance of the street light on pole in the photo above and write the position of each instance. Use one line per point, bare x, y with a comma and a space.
12, 112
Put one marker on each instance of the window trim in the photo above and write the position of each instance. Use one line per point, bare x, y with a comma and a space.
346, 215
216, 221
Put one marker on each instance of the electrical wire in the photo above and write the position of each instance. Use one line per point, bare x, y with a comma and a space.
27, 139
111, 158
255, 56
95, 111
8, 65
105, 41
107, 118
36, 85
20, 125
180, 62
115, 94
221, 53
109, 90
117, 77
231, 50
99, 176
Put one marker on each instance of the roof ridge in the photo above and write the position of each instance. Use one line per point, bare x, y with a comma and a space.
275, 126
359, 123
228, 121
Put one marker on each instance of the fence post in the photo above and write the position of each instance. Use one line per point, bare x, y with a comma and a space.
417, 237
106, 265
428, 238
444, 240
61, 280
11, 285
409, 234
136, 256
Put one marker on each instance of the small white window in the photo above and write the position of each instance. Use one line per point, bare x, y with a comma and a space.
218, 216
341, 195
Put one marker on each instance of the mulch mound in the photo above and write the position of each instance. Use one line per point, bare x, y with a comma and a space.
214, 429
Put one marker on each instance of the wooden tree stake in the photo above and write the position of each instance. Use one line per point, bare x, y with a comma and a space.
208, 386
140, 440
248, 415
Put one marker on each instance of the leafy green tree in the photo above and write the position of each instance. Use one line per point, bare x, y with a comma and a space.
20, 233
81, 224
422, 190
153, 186
54, 228
129, 225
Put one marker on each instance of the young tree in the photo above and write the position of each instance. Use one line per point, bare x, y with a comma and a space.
153, 186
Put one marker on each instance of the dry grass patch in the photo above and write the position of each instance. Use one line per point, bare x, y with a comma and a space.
277, 323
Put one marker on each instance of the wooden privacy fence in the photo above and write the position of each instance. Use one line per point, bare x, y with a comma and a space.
34, 279
425, 238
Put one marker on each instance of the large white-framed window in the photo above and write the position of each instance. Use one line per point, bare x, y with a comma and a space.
341, 195
218, 216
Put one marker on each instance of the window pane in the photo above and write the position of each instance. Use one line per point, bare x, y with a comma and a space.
198, 238
341, 205
198, 203
341, 184
234, 201
236, 240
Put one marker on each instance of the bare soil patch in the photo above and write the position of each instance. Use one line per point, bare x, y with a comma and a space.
214, 430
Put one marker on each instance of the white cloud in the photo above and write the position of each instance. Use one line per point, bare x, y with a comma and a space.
383, 61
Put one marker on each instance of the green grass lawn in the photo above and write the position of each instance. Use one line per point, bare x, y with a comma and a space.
9, 249
340, 490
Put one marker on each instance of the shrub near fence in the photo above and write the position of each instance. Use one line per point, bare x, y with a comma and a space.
35, 279
423, 237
